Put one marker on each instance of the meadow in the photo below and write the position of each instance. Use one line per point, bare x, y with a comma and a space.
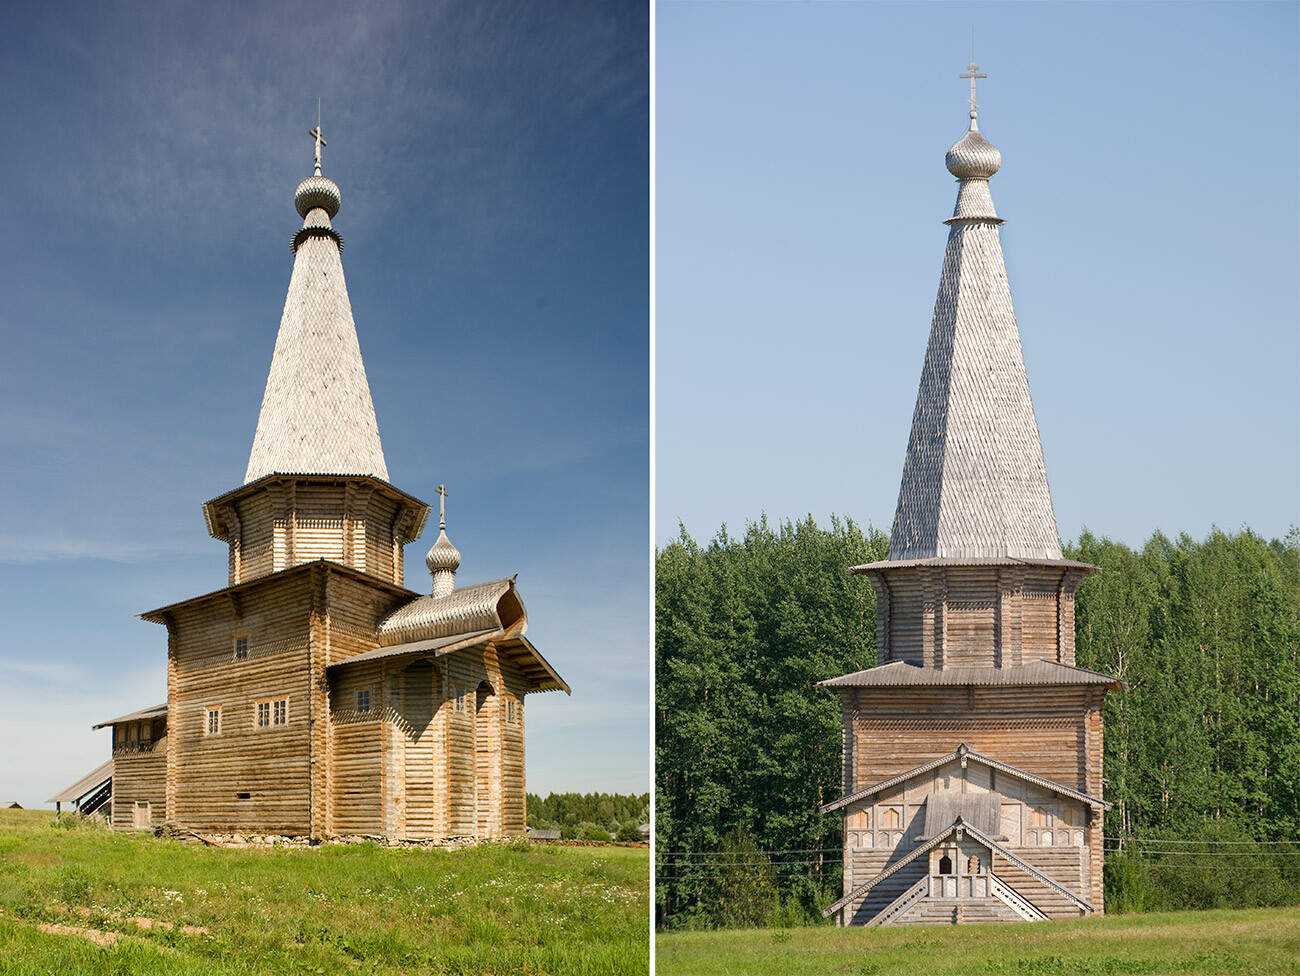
1247, 942
80, 899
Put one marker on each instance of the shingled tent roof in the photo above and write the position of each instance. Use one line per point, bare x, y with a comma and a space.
974, 483
317, 414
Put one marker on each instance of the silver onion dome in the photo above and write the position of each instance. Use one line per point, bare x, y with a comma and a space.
317, 191
443, 555
973, 156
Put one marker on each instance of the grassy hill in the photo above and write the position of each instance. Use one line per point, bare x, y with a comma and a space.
85, 900
1256, 941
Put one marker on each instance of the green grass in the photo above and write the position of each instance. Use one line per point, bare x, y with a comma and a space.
496, 908
1256, 941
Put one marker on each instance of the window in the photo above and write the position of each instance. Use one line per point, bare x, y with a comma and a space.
363, 700
241, 648
214, 721
275, 712
460, 699
510, 710
945, 865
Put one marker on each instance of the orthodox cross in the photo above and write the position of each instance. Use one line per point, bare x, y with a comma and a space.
442, 506
320, 141
974, 73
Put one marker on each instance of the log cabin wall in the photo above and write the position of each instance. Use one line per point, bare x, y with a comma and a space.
1050, 730
139, 798
290, 521
976, 615
243, 775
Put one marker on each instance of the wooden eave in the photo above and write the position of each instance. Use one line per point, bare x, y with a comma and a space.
901, 674
234, 592
974, 561
934, 842
434, 647
156, 711
89, 783
965, 754
215, 516
541, 676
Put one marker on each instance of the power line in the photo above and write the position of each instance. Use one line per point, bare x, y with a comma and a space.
1158, 840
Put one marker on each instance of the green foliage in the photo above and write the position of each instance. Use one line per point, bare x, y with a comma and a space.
745, 628
569, 809
1205, 743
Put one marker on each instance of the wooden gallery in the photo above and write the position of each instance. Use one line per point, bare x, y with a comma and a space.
973, 749
315, 695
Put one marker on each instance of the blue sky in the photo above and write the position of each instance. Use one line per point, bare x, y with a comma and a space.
493, 162
1148, 178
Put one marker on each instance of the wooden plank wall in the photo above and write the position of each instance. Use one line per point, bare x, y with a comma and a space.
1040, 729
139, 777
356, 759
207, 772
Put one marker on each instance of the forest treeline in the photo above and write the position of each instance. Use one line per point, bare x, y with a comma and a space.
1202, 752
590, 816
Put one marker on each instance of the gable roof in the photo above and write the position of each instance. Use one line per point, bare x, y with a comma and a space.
964, 753
982, 810
958, 825
897, 673
89, 783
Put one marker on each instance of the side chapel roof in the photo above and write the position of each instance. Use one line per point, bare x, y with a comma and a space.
317, 416
89, 783
974, 483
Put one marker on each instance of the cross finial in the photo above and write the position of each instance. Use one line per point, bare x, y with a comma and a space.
973, 72
320, 139
442, 507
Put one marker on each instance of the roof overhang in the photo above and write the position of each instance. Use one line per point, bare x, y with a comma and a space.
436, 647
156, 711
214, 511
541, 676
225, 593
963, 754
902, 674
973, 561
88, 784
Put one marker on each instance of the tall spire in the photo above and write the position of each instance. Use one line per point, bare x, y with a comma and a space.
317, 415
974, 484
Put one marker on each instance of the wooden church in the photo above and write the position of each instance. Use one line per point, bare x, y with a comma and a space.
315, 695
973, 749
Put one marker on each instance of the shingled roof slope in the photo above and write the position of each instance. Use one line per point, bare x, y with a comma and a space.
317, 415
974, 483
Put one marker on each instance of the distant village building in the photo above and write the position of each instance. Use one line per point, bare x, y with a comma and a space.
973, 749
315, 695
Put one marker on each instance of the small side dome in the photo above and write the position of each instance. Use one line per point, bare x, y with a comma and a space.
973, 156
317, 191
443, 556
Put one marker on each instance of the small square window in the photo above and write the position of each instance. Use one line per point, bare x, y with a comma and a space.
363, 700
241, 648
214, 721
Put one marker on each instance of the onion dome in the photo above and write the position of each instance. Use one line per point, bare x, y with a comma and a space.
973, 156
317, 191
443, 557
